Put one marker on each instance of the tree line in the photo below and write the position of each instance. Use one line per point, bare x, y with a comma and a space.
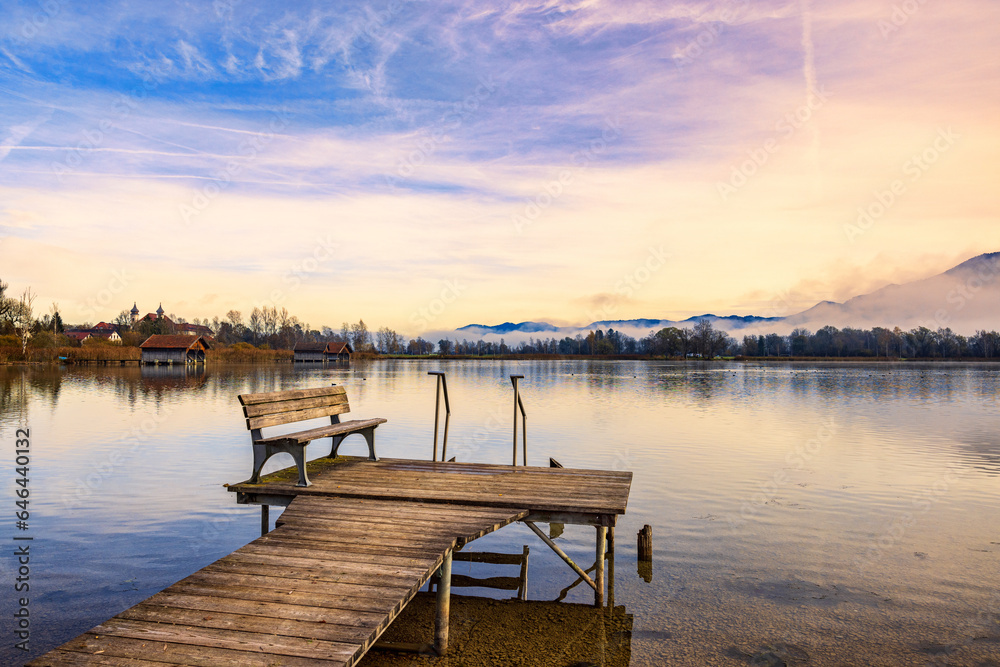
270, 327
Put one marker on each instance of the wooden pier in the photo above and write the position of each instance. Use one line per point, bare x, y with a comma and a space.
346, 556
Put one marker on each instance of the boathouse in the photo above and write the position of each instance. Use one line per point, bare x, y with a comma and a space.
322, 352
178, 349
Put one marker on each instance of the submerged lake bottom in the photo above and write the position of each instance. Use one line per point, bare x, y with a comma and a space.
802, 513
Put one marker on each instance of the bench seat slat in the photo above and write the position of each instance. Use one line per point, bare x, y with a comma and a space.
296, 416
303, 437
290, 395
277, 407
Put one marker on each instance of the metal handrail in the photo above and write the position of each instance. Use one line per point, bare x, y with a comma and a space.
441, 382
524, 421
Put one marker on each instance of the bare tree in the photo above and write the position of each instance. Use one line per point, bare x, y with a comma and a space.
124, 320
269, 319
256, 323
23, 317
360, 338
387, 340
5, 304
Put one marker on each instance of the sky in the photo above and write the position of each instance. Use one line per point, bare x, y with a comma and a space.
427, 165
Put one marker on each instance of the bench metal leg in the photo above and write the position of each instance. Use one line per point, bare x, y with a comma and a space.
368, 433
262, 452
299, 454
260, 457
337, 439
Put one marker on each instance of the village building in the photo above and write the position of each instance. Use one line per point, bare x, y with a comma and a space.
174, 349
322, 352
177, 327
106, 332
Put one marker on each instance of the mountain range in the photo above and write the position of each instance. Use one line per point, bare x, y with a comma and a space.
965, 298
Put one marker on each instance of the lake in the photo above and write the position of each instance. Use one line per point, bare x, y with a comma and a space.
835, 513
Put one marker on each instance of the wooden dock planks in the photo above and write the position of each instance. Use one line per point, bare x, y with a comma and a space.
318, 590
346, 556
564, 490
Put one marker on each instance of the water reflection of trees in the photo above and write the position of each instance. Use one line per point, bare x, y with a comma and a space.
21, 386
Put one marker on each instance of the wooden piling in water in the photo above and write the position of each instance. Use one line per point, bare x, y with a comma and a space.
443, 607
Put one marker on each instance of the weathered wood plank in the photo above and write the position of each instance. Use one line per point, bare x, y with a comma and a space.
293, 562
73, 659
275, 645
306, 549
314, 433
290, 395
485, 496
349, 583
261, 409
272, 608
305, 628
228, 591
98, 647
280, 418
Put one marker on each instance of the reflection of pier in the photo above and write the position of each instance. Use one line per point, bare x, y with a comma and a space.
510, 632
346, 557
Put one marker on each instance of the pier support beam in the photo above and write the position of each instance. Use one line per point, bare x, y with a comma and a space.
265, 520
443, 606
602, 543
561, 554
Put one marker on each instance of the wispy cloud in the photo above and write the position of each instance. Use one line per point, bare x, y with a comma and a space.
152, 105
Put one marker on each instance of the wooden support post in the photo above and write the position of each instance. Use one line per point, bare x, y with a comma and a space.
562, 554
611, 567
265, 520
522, 591
644, 562
602, 543
443, 607
645, 543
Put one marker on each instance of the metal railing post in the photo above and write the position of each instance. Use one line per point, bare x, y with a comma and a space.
524, 421
442, 382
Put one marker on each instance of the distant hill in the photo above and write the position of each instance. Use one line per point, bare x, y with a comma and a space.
965, 298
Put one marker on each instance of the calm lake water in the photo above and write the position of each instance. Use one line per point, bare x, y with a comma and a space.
840, 514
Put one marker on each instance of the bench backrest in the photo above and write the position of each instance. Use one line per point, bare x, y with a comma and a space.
284, 407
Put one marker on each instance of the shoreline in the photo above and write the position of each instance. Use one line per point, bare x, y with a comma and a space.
283, 359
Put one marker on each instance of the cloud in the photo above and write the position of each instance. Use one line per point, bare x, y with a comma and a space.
375, 124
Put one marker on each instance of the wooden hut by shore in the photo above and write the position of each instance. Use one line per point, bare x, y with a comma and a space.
322, 352
177, 349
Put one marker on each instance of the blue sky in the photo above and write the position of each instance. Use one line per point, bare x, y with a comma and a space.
425, 165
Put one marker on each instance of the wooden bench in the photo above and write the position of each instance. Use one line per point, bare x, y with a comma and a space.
286, 407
